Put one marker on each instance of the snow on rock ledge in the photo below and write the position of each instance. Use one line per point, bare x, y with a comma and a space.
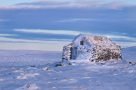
93, 48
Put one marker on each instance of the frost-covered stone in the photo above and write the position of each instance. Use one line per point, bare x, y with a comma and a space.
93, 48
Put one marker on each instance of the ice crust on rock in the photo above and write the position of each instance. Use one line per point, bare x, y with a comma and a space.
93, 48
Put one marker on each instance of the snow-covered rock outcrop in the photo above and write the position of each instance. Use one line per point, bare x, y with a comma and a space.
93, 48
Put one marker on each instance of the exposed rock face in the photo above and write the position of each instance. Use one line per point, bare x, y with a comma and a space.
93, 48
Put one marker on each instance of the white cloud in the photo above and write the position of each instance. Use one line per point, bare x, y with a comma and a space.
50, 44
6, 39
126, 44
6, 35
25, 44
73, 33
77, 20
69, 20
120, 37
112, 4
54, 32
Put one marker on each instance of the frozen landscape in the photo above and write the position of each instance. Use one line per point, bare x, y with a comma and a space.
42, 46
35, 70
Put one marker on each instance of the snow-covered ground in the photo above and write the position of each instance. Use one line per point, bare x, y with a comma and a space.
24, 58
28, 70
129, 54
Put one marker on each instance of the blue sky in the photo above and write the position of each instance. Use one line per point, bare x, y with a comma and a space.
38, 24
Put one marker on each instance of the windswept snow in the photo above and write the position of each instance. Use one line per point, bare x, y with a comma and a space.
130, 54
34, 70
29, 87
24, 58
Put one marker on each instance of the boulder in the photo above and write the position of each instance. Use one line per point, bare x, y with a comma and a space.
93, 48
